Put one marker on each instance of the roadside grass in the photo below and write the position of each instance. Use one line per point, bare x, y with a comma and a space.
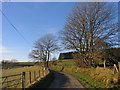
44, 82
85, 80
14, 71
89, 77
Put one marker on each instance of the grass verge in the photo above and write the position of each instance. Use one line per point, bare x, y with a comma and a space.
90, 77
84, 79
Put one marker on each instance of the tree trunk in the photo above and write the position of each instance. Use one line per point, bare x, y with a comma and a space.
104, 63
47, 64
119, 66
48, 59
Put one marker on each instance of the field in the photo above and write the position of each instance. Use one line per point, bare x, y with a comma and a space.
17, 65
34, 74
26, 63
89, 77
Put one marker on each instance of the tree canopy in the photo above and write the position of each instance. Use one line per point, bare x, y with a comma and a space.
90, 27
43, 48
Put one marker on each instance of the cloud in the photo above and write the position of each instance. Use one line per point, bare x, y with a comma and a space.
4, 49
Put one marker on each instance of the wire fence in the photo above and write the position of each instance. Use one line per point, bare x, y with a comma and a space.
23, 80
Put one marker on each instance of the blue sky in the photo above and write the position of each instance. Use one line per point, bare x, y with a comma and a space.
33, 20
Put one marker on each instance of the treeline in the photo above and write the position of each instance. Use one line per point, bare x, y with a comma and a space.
8, 64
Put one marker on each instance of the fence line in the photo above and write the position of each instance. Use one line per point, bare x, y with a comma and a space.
33, 76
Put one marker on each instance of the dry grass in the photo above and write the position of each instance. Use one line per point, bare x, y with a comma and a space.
99, 74
105, 76
14, 71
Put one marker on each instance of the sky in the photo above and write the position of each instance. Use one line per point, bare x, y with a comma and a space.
33, 20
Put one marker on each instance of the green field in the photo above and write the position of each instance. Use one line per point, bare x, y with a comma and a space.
26, 63
14, 71
89, 77
17, 65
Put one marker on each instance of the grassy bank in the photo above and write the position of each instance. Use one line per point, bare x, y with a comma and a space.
89, 77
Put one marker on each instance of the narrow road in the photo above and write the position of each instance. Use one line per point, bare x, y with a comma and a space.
63, 80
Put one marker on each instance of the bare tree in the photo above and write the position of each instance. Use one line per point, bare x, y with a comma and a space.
43, 48
90, 27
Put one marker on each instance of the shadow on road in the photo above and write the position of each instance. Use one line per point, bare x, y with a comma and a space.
60, 79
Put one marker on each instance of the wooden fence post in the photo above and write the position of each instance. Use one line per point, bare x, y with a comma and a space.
42, 72
119, 66
23, 80
116, 68
34, 75
119, 74
30, 76
39, 73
